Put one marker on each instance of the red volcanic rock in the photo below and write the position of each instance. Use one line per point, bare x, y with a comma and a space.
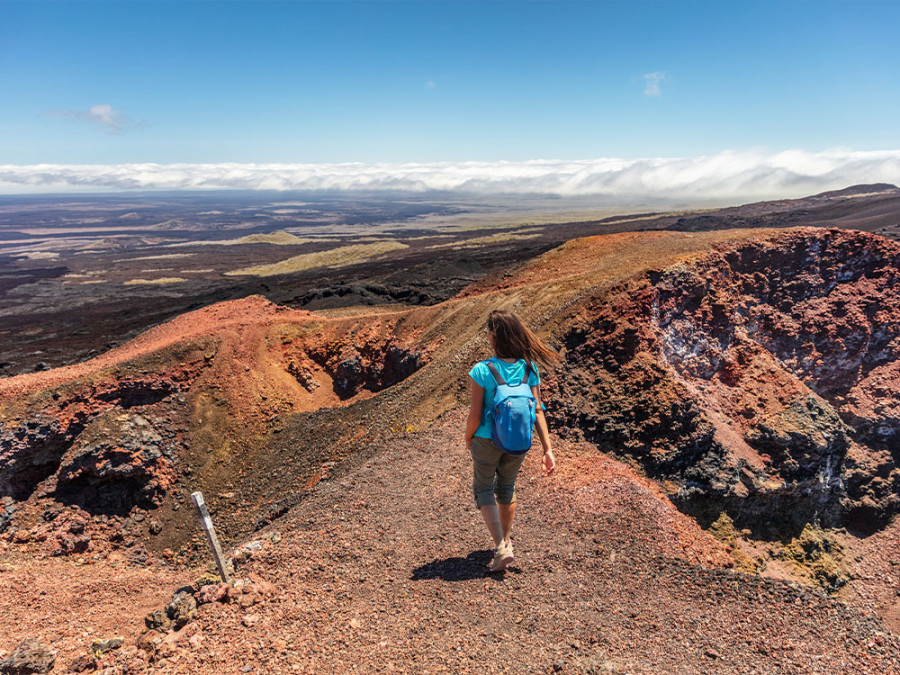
81, 664
356, 362
763, 377
211, 593
148, 640
85, 437
121, 461
119, 435
68, 544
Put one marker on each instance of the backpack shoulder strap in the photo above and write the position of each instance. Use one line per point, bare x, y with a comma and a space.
496, 373
526, 373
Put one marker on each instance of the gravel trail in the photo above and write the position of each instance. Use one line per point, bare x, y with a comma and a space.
383, 569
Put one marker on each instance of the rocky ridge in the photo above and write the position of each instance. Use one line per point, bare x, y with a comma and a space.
756, 379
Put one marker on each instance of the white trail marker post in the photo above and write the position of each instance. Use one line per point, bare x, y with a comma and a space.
206, 522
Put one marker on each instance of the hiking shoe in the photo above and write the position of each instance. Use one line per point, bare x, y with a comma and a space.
503, 558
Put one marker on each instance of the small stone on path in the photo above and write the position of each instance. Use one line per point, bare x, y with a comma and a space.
100, 647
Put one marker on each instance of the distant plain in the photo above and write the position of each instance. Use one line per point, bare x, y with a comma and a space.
81, 274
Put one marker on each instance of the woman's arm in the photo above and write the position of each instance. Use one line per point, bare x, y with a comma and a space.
544, 433
476, 401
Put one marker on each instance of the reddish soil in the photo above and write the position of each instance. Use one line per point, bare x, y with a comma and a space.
68, 602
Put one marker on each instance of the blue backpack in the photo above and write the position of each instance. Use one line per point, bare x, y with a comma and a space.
514, 410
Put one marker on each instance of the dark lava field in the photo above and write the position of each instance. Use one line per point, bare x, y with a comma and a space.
82, 274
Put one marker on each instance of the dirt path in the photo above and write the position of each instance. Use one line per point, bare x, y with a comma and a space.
383, 569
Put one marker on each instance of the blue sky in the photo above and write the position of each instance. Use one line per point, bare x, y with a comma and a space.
418, 81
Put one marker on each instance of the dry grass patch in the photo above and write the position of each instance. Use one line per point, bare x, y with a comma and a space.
279, 238
154, 282
491, 239
39, 255
85, 275
338, 257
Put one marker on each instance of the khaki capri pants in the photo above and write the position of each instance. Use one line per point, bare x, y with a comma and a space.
494, 472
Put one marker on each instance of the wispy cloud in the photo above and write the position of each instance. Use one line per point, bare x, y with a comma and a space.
720, 177
652, 82
430, 85
103, 115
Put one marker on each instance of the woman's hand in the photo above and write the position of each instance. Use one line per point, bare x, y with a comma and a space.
549, 461
543, 433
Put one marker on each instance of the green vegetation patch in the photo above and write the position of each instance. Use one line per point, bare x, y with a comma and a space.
338, 257
818, 554
165, 256
723, 530
815, 555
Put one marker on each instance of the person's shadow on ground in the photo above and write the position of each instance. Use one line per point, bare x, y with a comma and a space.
473, 566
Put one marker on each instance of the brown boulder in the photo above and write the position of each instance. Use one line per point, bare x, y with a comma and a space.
81, 664
29, 657
158, 620
148, 641
182, 609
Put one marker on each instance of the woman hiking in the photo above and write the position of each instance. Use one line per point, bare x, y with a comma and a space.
517, 351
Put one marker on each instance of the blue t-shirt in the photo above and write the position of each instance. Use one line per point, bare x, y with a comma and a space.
511, 372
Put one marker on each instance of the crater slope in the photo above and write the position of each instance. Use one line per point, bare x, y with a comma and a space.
758, 379
761, 379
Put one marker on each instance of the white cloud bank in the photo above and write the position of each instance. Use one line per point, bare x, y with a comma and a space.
723, 176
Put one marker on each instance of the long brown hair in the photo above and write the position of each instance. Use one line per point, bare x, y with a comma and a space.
514, 340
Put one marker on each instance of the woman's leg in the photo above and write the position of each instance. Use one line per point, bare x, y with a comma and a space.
485, 457
507, 472
491, 515
507, 514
